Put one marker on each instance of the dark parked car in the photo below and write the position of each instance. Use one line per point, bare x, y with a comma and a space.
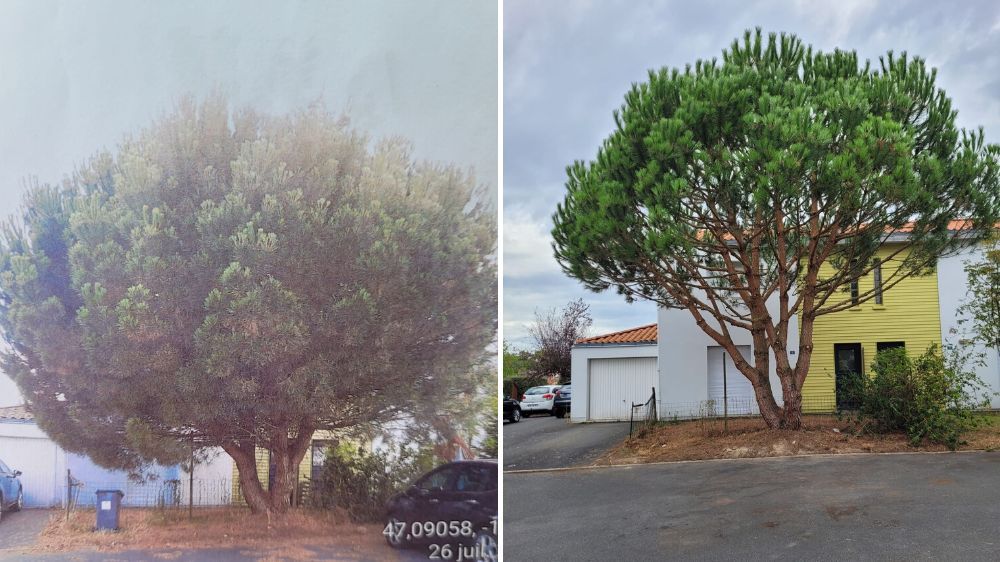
453, 506
11, 492
560, 407
511, 409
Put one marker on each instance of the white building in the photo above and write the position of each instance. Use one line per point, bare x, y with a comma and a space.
25, 447
953, 290
613, 371
44, 465
691, 372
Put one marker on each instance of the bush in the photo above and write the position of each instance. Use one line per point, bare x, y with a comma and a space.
361, 482
929, 398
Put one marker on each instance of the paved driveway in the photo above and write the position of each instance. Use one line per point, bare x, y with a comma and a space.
550, 442
19, 529
866, 507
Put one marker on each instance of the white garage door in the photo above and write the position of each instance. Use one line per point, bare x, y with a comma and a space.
615, 384
734, 385
38, 461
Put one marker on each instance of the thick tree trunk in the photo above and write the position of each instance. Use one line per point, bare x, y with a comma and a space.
250, 486
769, 409
792, 411
777, 417
286, 454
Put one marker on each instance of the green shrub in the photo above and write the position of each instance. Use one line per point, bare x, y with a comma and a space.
929, 397
361, 482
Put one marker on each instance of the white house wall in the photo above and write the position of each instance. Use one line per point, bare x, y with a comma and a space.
26, 448
213, 480
683, 365
580, 365
952, 291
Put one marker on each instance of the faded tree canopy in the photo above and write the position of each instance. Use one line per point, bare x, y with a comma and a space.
244, 280
728, 185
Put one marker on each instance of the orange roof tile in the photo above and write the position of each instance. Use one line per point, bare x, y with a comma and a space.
16, 413
641, 334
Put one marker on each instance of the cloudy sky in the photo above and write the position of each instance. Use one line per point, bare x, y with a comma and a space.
567, 65
76, 76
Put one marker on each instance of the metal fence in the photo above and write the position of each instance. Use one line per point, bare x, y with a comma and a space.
737, 413
735, 407
642, 416
150, 493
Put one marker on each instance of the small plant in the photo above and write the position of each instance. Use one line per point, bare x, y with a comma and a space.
930, 398
361, 482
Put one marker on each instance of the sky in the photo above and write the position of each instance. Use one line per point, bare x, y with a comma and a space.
75, 77
567, 66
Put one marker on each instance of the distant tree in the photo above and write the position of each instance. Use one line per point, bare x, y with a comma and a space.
518, 363
243, 281
982, 304
554, 333
728, 186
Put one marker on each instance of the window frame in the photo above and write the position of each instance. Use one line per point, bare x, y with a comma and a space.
886, 345
877, 275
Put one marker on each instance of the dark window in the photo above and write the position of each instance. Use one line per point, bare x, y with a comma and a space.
854, 292
476, 479
847, 367
884, 345
437, 481
878, 282
318, 454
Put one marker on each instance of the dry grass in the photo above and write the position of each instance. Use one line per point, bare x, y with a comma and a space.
749, 437
284, 538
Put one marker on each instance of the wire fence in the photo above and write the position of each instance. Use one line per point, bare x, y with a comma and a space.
737, 414
736, 407
714, 417
162, 494
642, 416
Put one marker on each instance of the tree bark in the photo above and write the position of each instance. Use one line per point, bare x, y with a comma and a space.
792, 418
286, 454
769, 409
246, 466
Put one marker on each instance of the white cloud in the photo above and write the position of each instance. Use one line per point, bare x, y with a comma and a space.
527, 245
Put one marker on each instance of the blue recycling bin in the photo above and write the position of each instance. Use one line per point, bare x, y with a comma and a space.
109, 503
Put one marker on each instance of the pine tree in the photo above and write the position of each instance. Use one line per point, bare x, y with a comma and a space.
729, 185
243, 281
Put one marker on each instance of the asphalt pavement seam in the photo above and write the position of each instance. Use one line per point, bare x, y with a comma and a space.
771, 458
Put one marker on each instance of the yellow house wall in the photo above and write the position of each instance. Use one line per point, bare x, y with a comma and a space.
909, 313
263, 464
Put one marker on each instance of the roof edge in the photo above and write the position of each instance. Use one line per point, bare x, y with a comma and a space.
596, 340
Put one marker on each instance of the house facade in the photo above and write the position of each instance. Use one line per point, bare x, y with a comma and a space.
695, 376
613, 371
952, 293
907, 315
46, 468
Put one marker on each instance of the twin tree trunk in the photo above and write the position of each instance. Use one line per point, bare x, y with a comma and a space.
285, 454
788, 416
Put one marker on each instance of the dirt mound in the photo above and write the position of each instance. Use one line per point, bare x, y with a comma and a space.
750, 437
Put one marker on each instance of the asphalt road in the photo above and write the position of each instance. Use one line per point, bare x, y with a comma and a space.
550, 442
865, 507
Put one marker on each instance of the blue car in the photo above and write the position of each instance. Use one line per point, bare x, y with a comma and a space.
11, 492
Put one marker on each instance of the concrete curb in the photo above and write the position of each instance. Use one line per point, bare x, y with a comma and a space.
745, 459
